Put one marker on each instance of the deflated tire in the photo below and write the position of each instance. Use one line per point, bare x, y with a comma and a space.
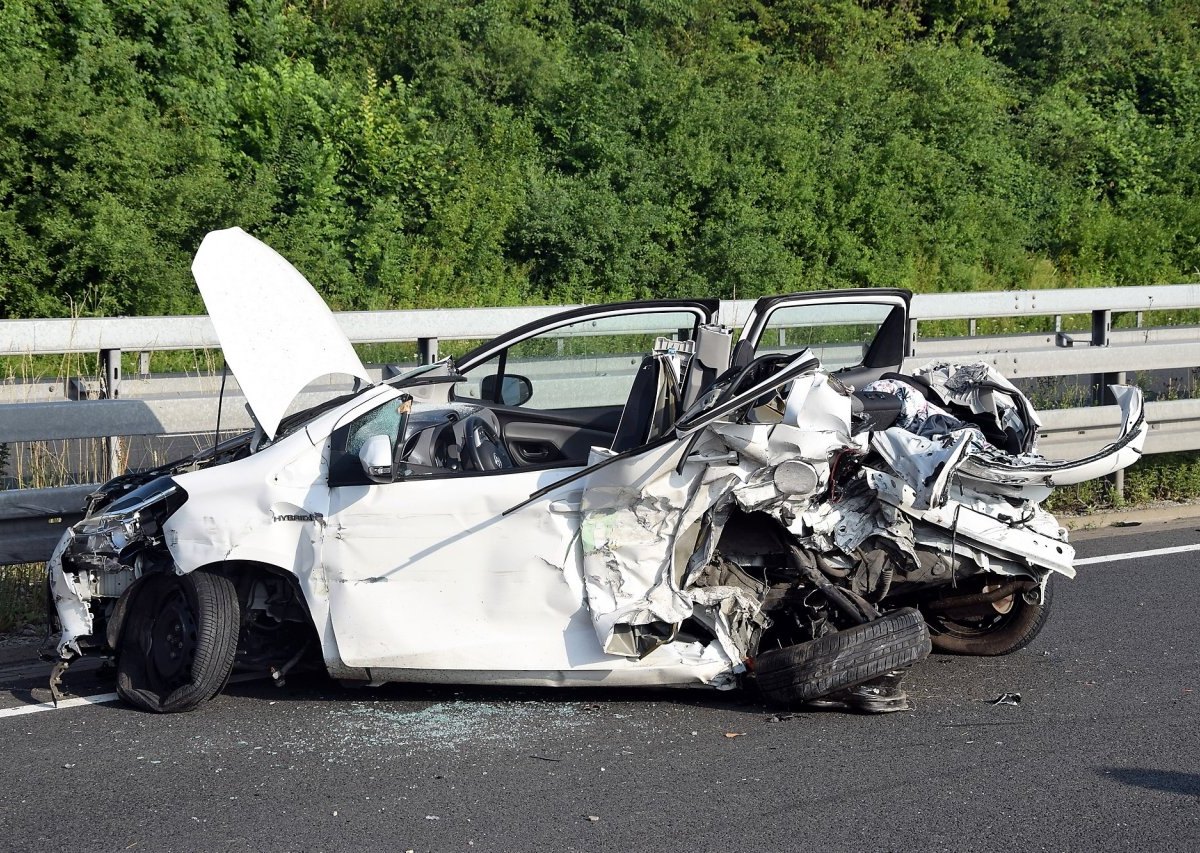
808, 671
178, 643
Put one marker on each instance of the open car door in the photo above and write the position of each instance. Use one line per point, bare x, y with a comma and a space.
858, 334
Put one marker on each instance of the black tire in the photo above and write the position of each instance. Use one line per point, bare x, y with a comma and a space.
178, 642
808, 671
992, 633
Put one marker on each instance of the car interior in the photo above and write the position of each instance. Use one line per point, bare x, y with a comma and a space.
497, 431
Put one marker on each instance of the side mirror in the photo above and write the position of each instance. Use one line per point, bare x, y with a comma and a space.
514, 390
375, 456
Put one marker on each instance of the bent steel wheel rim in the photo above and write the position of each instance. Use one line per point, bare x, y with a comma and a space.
170, 639
975, 627
982, 619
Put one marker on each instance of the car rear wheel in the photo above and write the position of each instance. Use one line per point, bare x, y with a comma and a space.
178, 643
808, 671
994, 628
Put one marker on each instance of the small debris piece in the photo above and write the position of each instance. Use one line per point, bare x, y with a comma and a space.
593, 818
432, 817
545, 758
1006, 699
734, 734
779, 718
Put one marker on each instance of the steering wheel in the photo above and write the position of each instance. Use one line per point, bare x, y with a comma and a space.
484, 448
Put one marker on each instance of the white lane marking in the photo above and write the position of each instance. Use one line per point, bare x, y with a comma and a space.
66, 703
1135, 555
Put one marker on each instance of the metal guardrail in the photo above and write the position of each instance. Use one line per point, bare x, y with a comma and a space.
32, 519
96, 334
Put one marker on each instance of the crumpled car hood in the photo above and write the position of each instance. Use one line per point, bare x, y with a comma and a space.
277, 334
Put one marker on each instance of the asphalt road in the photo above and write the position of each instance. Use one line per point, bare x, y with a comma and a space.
1102, 753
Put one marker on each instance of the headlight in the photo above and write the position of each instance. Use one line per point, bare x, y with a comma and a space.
108, 533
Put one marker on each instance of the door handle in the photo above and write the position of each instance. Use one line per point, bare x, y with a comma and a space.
568, 503
535, 451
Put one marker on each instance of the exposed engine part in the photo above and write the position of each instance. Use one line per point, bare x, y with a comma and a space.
966, 602
857, 612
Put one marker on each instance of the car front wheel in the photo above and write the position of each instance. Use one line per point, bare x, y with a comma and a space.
177, 647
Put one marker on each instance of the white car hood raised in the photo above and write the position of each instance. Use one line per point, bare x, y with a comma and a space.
277, 334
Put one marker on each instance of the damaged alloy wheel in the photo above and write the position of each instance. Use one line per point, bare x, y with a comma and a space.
178, 642
834, 662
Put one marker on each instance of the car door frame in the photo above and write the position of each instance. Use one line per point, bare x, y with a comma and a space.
709, 309
590, 421
892, 343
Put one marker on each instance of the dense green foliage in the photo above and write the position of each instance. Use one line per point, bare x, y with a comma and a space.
442, 152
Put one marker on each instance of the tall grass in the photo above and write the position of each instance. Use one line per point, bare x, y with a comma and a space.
22, 595
1164, 477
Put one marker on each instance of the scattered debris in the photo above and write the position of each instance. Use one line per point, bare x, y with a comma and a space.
1006, 699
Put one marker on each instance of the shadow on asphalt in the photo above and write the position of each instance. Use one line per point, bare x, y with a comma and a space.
1170, 781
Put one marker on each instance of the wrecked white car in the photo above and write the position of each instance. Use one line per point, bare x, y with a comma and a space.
616, 495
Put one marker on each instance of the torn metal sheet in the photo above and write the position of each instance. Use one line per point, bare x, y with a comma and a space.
1121, 453
928, 465
979, 529
999, 408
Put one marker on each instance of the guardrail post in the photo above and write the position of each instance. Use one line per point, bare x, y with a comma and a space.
1101, 395
110, 366
427, 350
1101, 326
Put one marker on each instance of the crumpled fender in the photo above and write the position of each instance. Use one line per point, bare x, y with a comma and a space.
635, 597
73, 613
